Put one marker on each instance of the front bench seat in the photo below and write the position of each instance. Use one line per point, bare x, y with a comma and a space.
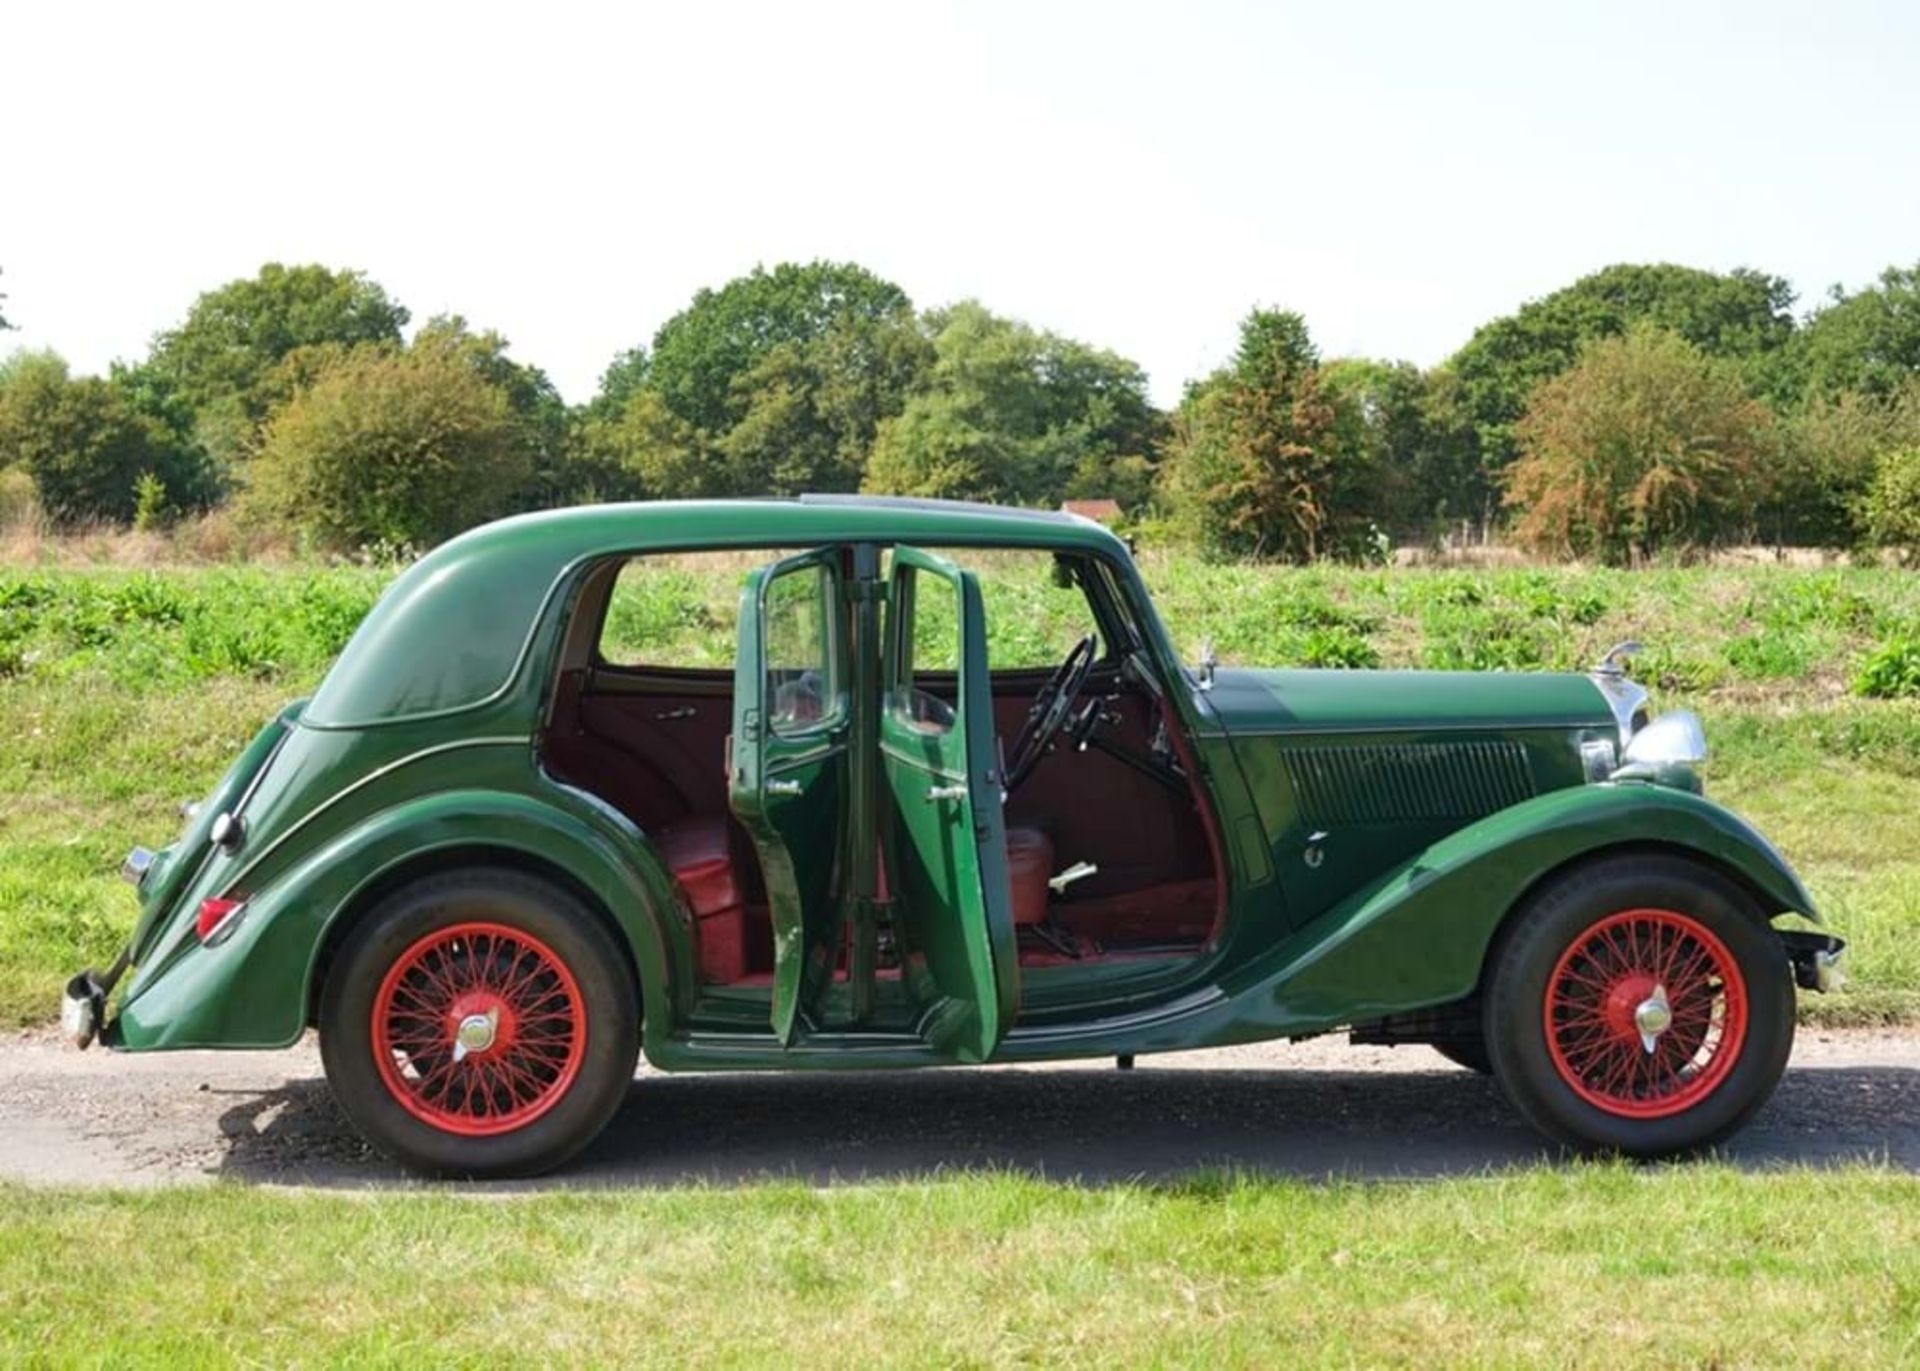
1029, 867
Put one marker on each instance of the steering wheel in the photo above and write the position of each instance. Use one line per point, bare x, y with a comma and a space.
1052, 707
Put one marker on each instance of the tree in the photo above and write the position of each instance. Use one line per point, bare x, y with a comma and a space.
1255, 465
86, 447
624, 375
1407, 428
1012, 414
4, 325
1741, 315
1868, 341
396, 448
1891, 510
233, 338
539, 413
780, 377
660, 454
1829, 451
1645, 443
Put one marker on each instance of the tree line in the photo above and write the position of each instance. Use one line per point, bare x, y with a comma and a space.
1641, 410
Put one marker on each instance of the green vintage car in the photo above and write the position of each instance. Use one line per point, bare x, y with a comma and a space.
511, 841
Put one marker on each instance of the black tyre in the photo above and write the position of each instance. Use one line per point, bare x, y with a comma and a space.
1468, 1052
480, 1023
1639, 1005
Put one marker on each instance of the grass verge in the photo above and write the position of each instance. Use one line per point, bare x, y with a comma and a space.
1617, 1266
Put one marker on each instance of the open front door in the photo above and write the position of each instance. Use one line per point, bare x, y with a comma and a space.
948, 849
787, 773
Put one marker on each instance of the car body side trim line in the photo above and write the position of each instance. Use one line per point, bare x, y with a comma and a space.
238, 877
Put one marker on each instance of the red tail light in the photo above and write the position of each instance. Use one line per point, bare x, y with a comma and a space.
217, 918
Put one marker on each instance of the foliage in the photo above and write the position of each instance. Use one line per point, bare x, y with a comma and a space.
1406, 426
1645, 443
150, 505
1255, 464
1825, 465
701, 353
1868, 341
234, 336
624, 375
1892, 670
539, 414
4, 324
1010, 414
773, 384
87, 448
1742, 315
820, 376
1891, 510
394, 448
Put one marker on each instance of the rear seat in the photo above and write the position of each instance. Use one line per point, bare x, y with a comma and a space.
699, 851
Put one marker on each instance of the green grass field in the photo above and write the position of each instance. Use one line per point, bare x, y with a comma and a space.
124, 692
1593, 1266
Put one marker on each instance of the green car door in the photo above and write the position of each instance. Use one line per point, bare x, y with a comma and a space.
947, 848
787, 773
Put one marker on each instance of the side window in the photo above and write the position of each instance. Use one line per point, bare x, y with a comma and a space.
1032, 619
931, 613
677, 611
802, 692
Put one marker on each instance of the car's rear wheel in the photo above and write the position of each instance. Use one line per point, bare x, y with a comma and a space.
1639, 1005
480, 1023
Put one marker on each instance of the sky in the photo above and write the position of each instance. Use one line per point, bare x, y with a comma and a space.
1136, 176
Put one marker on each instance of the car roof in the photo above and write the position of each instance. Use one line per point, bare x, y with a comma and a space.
453, 629
800, 519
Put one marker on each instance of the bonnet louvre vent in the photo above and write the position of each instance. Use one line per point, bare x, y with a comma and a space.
1390, 782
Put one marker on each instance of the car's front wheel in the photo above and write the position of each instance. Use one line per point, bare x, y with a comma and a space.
1639, 1005
479, 1023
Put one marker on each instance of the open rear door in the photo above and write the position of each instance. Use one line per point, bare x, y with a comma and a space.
787, 773
948, 849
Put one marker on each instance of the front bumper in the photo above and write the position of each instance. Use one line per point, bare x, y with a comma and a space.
1816, 959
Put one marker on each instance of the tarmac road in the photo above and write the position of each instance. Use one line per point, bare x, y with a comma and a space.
1316, 1109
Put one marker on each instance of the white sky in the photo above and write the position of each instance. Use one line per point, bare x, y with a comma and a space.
1137, 176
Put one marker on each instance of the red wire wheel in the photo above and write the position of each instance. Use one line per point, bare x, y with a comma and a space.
1646, 1013
478, 1029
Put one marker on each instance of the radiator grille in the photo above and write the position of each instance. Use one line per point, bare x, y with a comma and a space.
1373, 783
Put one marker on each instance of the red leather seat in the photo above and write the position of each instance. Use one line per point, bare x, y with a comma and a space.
699, 852
1029, 865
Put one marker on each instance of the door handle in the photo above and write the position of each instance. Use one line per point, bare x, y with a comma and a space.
682, 712
946, 792
783, 787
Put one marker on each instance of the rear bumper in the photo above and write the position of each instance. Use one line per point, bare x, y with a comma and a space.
83, 1009
83, 1003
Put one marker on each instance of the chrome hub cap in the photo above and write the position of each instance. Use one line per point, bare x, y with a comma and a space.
1653, 1017
475, 1034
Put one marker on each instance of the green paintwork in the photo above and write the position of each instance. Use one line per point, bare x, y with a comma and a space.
1375, 827
1294, 702
786, 787
947, 853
